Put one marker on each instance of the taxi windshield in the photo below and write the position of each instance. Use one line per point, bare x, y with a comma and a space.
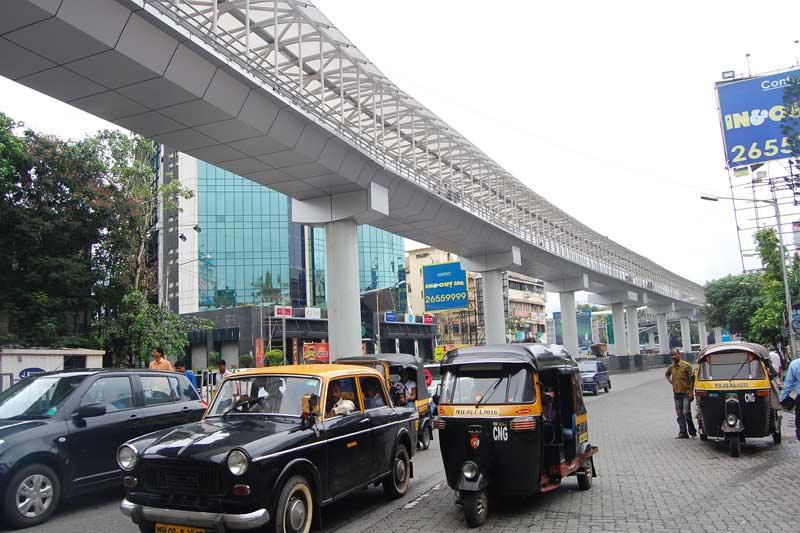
263, 394
37, 398
587, 366
731, 365
487, 383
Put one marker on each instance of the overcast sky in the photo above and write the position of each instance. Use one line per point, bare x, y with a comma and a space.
609, 112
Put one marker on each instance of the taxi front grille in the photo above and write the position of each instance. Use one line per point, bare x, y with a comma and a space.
187, 479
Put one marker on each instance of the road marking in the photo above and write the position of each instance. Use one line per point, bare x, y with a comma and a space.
413, 503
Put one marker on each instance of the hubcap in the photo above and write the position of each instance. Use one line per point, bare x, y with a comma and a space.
34, 495
296, 510
400, 471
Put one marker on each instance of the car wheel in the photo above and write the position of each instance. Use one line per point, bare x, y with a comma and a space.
476, 507
395, 484
425, 438
703, 436
295, 508
776, 437
606, 388
32, 496
147, 527
596, 390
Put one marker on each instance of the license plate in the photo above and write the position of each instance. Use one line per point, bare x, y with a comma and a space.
171, 528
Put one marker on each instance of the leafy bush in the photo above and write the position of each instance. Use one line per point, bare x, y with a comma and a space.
274, 357
246, 361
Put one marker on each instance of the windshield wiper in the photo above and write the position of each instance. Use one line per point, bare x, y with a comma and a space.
239, 403
739, 370
490, 391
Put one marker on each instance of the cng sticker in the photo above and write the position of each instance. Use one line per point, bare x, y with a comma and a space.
499, 432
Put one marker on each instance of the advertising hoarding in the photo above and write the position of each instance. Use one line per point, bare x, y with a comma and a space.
752, 112
444, 287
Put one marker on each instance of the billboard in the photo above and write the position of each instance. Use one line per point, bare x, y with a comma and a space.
444, 287
751, 115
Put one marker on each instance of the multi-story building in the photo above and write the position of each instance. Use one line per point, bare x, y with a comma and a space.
523, 301
233, 244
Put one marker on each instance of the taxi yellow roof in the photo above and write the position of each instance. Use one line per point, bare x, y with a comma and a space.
321, 370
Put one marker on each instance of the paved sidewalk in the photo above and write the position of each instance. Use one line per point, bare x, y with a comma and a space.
647, 480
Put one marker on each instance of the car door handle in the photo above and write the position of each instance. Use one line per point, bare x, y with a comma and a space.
134, 419
364, 421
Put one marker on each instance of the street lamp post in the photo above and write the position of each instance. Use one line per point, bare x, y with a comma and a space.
787, 292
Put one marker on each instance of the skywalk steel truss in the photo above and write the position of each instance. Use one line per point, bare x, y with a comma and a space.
294, 50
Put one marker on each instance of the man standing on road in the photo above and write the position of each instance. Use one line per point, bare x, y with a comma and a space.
679, 373
160, 362
792, 384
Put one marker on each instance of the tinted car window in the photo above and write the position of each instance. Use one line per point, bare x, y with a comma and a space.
114, 392
372, 392
37, 398
157, 390
187, 391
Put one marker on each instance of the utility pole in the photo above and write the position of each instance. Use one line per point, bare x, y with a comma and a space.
787, 292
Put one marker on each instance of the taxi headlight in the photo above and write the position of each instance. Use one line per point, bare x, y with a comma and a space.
238, 462
470, 470
127, 457
731, 420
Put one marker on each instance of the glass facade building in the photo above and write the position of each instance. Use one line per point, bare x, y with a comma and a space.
249, 251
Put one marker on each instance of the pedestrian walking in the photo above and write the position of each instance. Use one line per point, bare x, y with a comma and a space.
790, 395
160, 362
680, 375
180, 367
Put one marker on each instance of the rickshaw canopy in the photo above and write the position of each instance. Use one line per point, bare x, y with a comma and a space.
540, 356
725, 347
393, 360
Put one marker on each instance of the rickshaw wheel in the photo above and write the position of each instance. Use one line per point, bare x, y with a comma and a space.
585, 477
476, 507
776, 437
733, 443
703, 436
425, 438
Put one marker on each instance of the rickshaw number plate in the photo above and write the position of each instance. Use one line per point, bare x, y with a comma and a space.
480, 411
171, 528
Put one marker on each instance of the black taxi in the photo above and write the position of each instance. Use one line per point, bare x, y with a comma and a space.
275, 446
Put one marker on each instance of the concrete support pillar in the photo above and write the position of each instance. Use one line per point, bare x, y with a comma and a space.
494, 318
651, 339
618, 319
717, 334
631, 313
569, 322
703, 332
663, 333
340, 215
686, 339
344, 306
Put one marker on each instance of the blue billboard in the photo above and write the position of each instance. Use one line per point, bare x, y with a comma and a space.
752, 112
444, 287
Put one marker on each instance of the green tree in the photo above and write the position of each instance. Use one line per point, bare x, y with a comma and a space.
731, 301
138, 326
768, 321
54, 206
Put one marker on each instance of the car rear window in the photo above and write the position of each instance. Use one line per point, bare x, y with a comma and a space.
187, 391
157, 390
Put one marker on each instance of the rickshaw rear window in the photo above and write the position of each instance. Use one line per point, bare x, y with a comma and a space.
731, 365
488, 384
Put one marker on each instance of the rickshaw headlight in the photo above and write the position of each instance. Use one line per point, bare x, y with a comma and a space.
237, 462
470, 470
731, 420
127, 457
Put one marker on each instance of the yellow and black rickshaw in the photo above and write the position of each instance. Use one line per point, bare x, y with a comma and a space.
735, 394
393, 365
511, 421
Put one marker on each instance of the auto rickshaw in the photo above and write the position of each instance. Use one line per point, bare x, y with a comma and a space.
393, 364
511, 421
735, 394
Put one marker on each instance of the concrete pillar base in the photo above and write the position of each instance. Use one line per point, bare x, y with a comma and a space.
663, 333
344, 305
718, 334
686, 339
703, 333
618, 319
494, 318
569, 322
632, 316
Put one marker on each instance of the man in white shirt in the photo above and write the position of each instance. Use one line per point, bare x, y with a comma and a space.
775, 359
410, 388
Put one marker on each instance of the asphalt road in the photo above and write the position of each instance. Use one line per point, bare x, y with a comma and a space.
646, 481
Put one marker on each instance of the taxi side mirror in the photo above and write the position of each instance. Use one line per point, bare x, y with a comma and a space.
310, 407
437, 394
